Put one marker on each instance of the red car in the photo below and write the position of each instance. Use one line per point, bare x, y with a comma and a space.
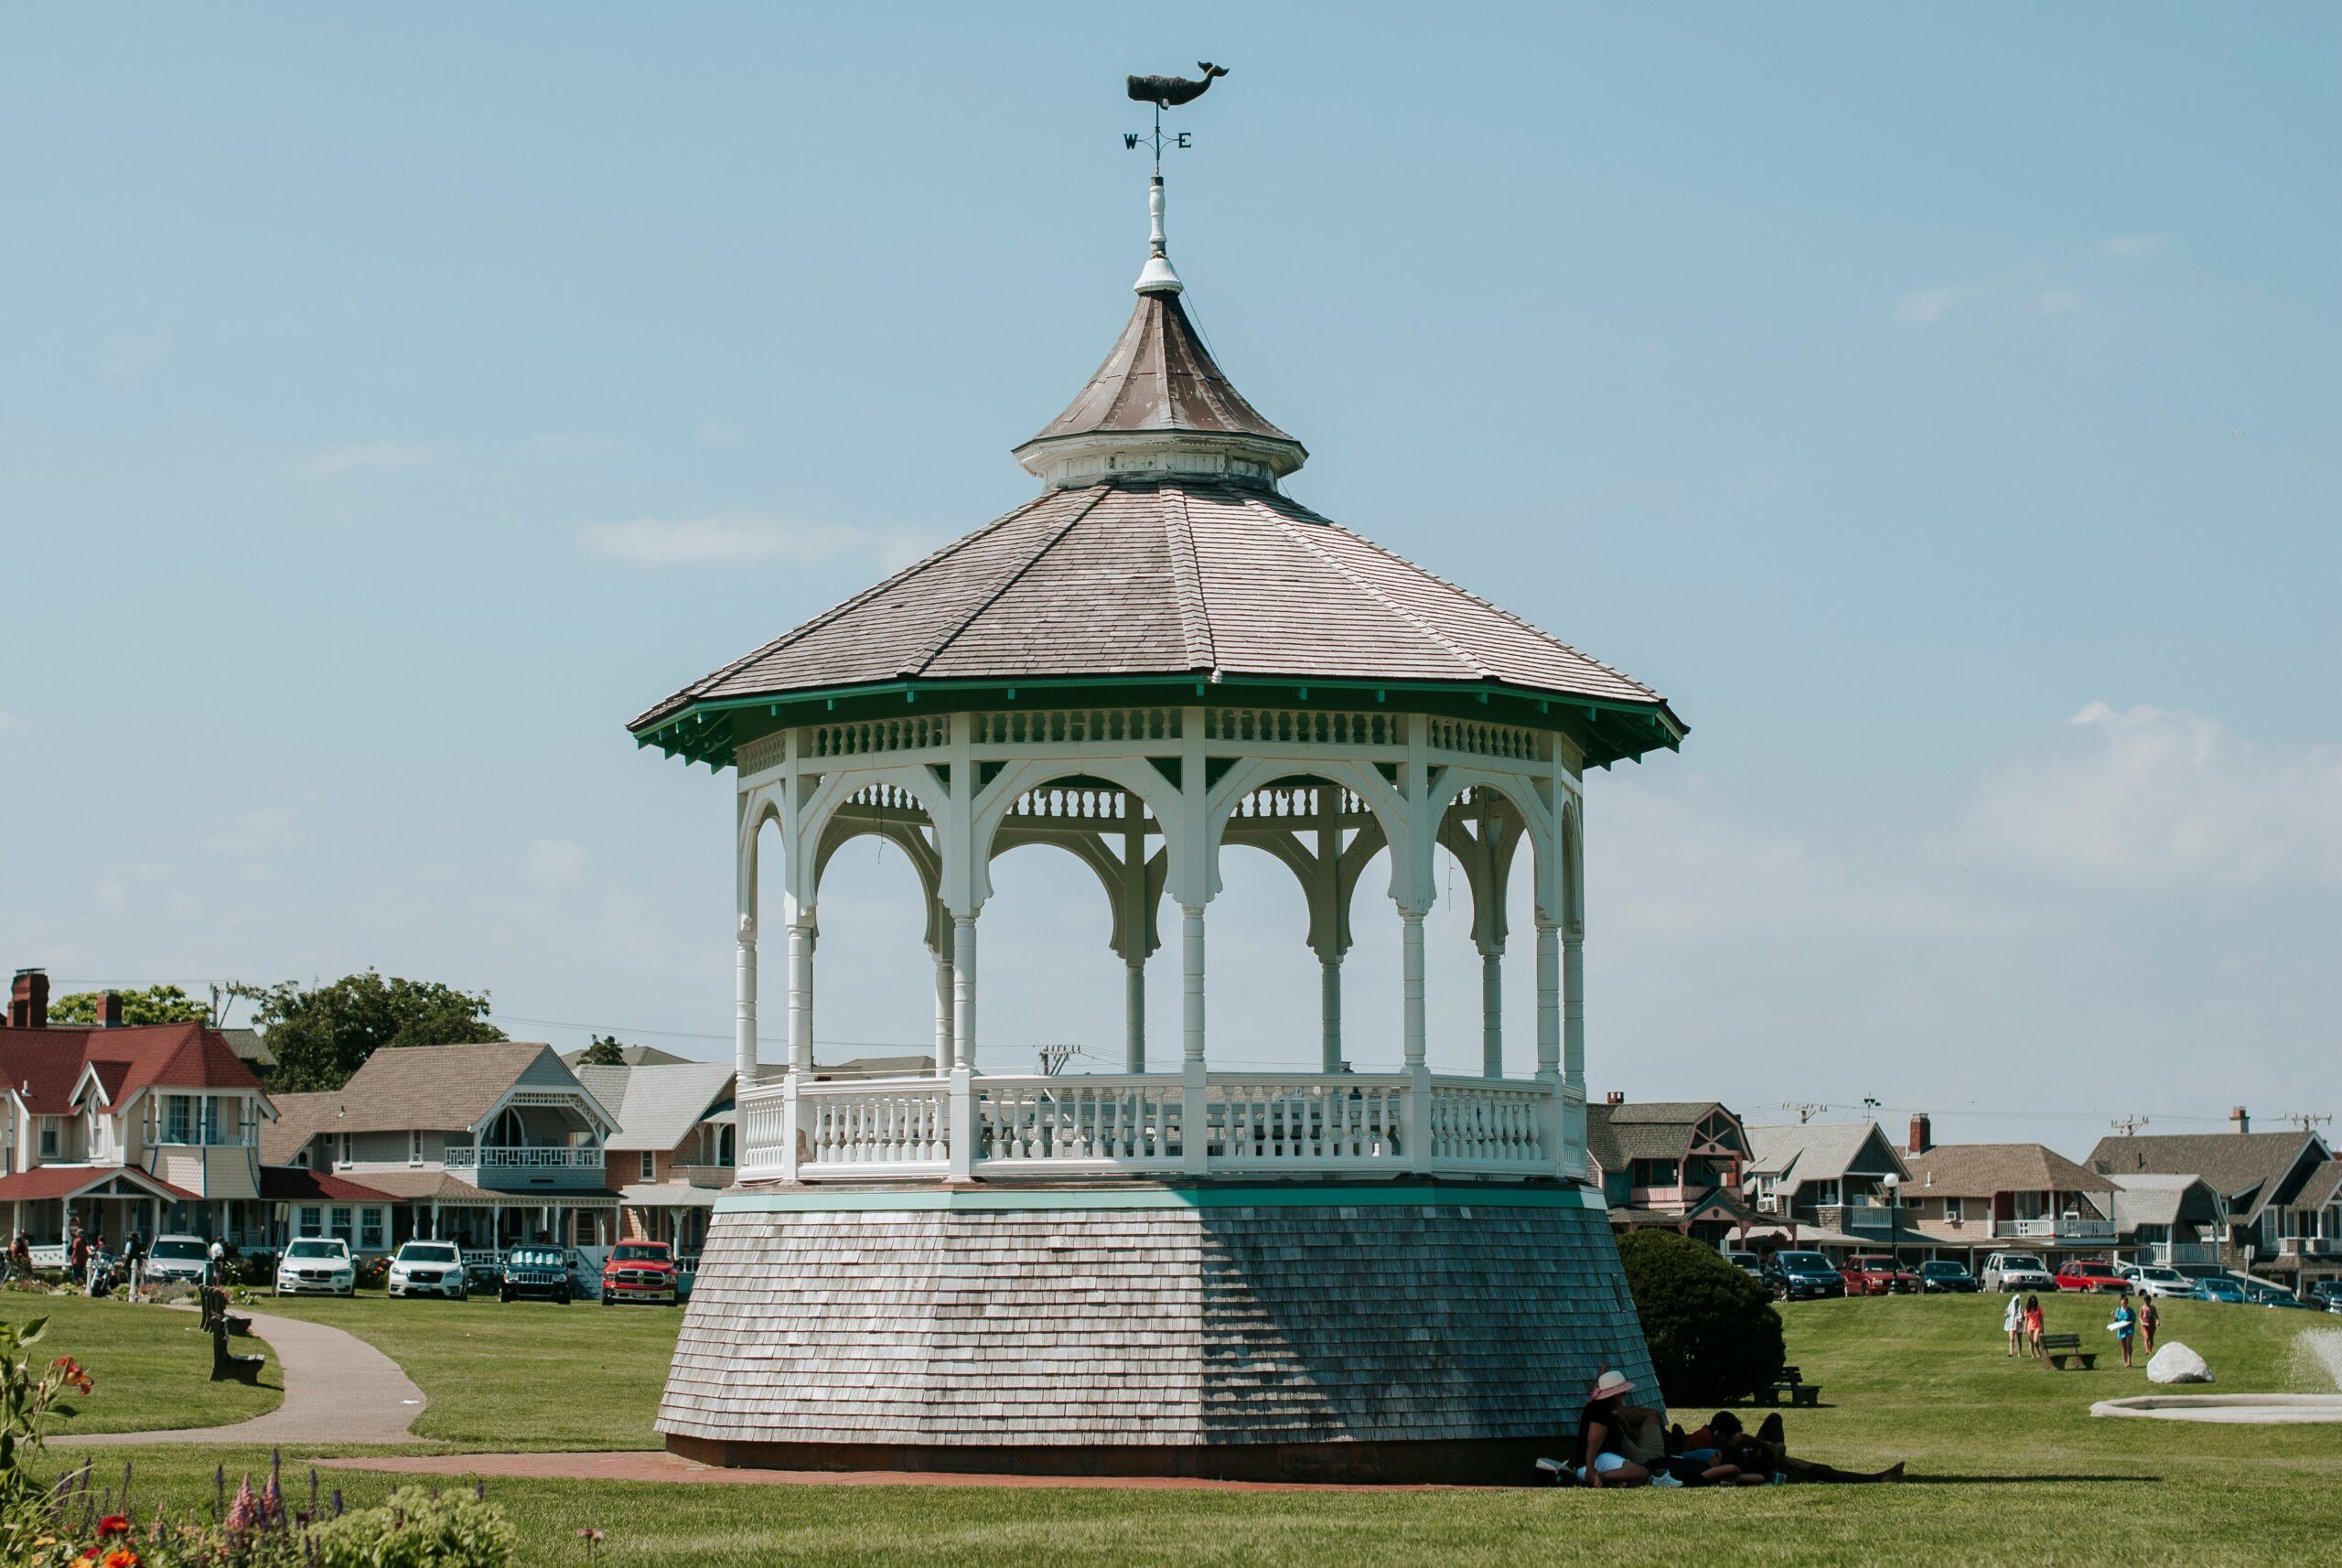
2090, 1274
1876, 1274
640, 1271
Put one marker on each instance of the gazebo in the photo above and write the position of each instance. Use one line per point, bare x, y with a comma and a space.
1173, 1268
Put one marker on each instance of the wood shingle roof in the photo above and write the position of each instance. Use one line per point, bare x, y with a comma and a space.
1163, 578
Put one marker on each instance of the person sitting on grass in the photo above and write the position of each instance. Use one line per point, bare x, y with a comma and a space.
1604, 1438
1768, 1454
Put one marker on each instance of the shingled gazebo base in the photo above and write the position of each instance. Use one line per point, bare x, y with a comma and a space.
1339, 1331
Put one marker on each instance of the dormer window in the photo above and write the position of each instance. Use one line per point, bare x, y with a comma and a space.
179, 1119
48, 1136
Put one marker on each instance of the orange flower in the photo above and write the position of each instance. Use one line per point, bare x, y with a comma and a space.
120, 1557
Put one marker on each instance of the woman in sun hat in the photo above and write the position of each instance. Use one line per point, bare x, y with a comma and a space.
1602, 1436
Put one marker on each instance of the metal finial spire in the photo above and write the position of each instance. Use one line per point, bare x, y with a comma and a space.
1156, 277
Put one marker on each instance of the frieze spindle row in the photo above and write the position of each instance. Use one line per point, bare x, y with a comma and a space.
1062, 725
1304, 727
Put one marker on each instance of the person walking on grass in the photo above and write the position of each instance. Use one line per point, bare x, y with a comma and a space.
2125, 1324
2149, 1321
2033, 1327
2013, 1321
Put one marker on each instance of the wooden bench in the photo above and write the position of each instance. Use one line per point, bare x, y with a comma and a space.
2056, 1349
1791, 1383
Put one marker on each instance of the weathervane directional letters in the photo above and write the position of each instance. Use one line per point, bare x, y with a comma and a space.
1167, 93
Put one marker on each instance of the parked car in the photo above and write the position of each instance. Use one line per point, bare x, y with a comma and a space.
536, 1271
2327, 1292
1876, 1274
2260, 1295
2153, 1279
178, 1260
2006, 1273
317, 1265
1943, 1276
2090, 1274
640, 1271
429, 1268
1748, 1263
2219, 1287
1802, 1276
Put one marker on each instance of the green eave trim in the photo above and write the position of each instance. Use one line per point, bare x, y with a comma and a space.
1605, 729
1201, 1194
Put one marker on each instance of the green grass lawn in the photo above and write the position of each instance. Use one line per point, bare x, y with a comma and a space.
2008, 1466
151, 1365
525, 1375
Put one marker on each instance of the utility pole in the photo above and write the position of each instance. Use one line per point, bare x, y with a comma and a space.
1804, 1112
2128, 1126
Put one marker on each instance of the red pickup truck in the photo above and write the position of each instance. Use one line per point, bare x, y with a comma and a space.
640, 1271
2090, 1274
1876, 1274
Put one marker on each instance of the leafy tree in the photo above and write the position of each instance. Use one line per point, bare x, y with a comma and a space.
324, 1034
1714, 1336
605, 1051
156, 1005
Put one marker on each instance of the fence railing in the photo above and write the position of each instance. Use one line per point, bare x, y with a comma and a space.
993, 1128
2179, 1253
460, 1156
2067, 1228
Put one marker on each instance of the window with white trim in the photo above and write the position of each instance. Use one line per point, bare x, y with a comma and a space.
370, 1229
312, 1220
414, 1147
179, 1119
650, 1167
341, 1222
48, 1136
1955, 1211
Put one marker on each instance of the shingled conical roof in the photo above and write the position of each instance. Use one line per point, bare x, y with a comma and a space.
1162, 553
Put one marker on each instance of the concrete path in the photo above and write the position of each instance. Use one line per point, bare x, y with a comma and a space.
656, 1465
337, 1388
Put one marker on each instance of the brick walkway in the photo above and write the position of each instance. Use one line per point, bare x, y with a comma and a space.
654, 1464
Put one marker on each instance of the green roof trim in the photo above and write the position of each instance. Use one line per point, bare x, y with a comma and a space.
1605, 730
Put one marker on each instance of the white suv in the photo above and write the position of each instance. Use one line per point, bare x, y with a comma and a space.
2007, 1272
428, 1268
321, 1264
179, 1260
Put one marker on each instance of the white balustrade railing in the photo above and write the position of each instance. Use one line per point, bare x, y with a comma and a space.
2068, 1228
1007, 1126
461, 1156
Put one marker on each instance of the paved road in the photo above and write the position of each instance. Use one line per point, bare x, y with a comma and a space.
337, 1388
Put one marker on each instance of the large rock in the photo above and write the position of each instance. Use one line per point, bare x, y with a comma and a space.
2175, 1363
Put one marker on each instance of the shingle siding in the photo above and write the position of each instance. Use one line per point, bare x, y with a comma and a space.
1187, 1327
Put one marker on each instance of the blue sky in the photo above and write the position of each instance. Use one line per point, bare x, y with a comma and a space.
1939, 408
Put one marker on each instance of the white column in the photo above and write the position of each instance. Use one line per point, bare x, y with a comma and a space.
1329, 1014
1549, 1000
1411, 935
1135, 905
1191, 981
744, 1010
943, 1028
963, 991
1492, 1012
1573, 1009
800, 990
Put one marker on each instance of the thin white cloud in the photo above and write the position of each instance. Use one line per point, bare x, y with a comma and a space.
2143, 797
553, 866
128, 353
7, 722
2133, 245
2060, 301
1925, 306
375, 456
257, 834
737, 538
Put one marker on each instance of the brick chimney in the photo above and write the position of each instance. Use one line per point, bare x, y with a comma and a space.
1923, 1133
109, 1009
29, 1002
1615, 1097
2237, 1121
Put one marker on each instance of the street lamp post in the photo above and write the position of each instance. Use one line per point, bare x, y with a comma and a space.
1890, 1181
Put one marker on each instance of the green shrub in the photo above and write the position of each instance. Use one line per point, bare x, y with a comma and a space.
413, 1529
1714, 1336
